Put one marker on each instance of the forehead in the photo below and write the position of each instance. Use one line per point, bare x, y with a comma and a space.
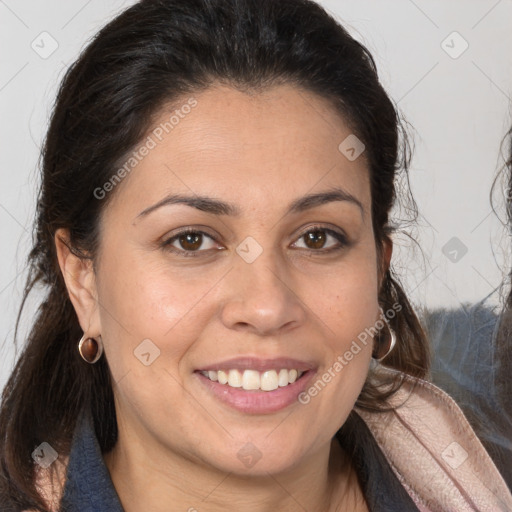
283, 141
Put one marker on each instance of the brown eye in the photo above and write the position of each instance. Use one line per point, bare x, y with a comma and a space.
317, 240
191, 241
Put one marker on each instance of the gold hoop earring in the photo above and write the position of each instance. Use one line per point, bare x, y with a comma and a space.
382, 349
90, 349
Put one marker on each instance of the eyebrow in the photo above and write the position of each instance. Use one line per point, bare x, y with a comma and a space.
218, 207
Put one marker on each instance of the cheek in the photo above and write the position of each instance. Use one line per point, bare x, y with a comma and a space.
149, 323
145, 308
347, 298
347, 305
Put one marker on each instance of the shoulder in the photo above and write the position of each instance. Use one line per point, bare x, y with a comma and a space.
434, 451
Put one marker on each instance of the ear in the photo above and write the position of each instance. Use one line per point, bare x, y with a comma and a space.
78, 274
387, 251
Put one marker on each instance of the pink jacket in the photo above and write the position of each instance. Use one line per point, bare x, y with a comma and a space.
430, 446
435, 453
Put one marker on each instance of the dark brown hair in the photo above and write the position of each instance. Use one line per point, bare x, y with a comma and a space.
499, 442
152, 54
504, 367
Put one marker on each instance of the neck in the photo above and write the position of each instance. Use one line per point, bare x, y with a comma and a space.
154, 479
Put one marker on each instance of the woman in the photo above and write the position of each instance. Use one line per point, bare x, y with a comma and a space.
213, 230
472, 354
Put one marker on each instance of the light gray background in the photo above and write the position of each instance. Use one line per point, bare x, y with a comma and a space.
458, 104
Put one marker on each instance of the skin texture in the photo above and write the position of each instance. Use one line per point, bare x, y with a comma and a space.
177, 443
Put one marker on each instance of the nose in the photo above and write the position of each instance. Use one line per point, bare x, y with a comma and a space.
261, 297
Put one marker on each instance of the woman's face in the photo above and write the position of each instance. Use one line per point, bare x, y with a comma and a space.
267, 277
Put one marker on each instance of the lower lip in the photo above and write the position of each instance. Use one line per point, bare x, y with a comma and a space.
255, 401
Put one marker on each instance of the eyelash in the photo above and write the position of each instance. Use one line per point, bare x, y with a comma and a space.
341, 238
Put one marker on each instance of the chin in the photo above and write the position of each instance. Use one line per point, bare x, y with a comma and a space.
260, 455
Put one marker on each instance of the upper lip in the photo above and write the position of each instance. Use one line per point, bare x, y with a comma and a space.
260, 364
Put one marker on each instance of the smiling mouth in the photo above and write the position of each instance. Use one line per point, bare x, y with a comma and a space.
251, 380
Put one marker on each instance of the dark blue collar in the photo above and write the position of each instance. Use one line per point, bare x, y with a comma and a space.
88, 486
381, 488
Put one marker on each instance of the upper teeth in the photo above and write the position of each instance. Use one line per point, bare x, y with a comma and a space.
252, 379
